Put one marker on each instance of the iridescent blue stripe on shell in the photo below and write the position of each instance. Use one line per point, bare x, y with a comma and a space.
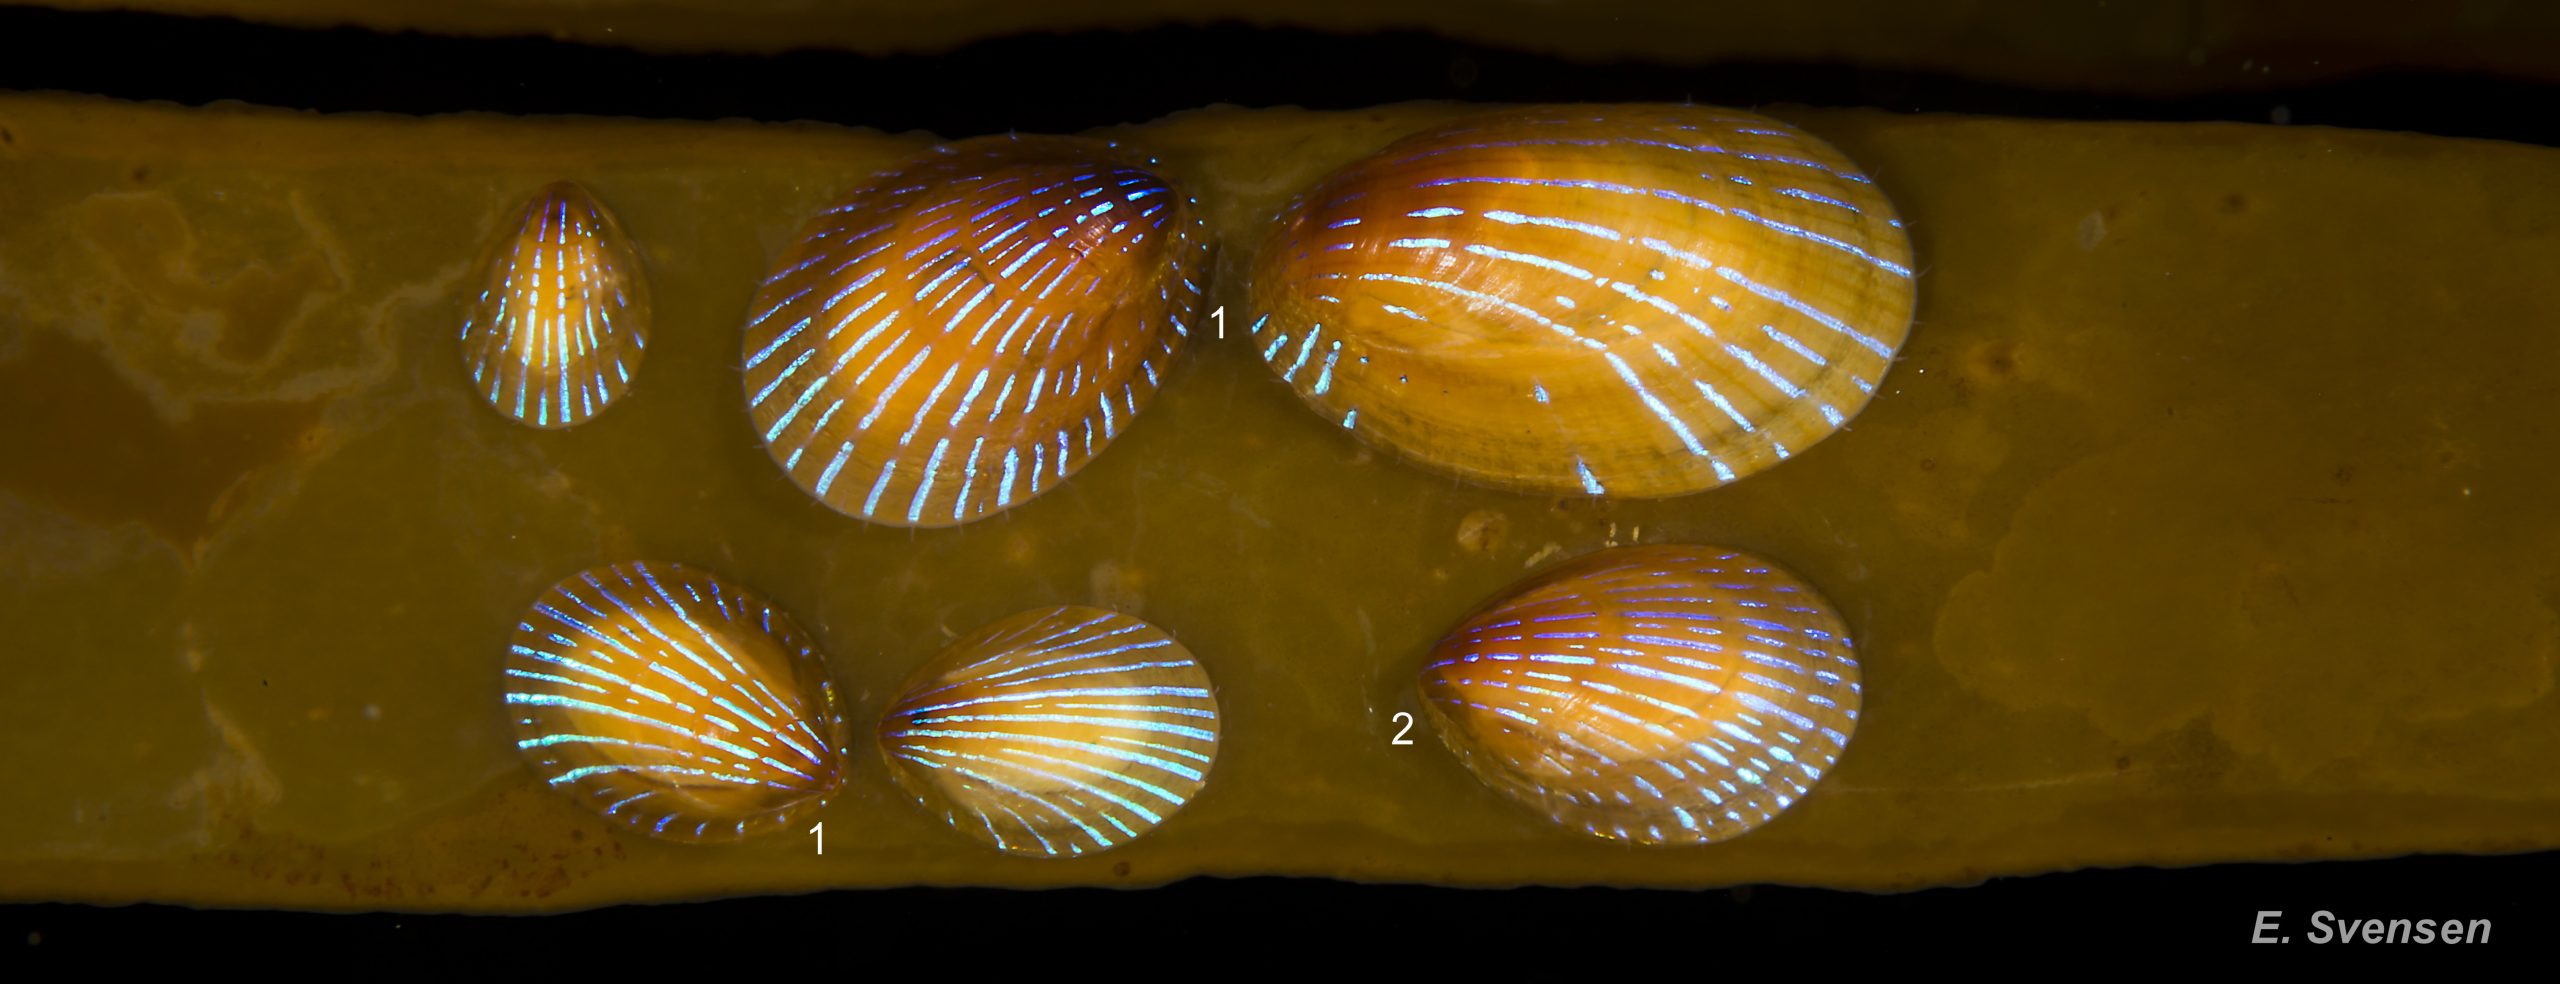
1647, 300
1656, 695
673, 703
1058, 732
936, 351
562, 318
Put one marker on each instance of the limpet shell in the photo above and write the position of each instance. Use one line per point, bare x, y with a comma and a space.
1632, 301
1056, 732
1653, 695
972, 327
675, 704
562, 319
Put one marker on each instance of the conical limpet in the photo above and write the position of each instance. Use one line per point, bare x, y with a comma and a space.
675, 704
1058, 731
562, 319
970, 328
1657, 694
1633, 301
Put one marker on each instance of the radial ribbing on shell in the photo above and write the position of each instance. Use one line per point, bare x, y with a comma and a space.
674, 703
973, 326
1633, 301
561, 322
1655, 695
1057, 732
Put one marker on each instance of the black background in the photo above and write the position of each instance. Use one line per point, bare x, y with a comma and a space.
1053, 83
2102, 916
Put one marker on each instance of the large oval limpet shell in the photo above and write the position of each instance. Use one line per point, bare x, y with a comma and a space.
562, 318
1056, 732
1634, 301
675, 704
973, 326
1655, 695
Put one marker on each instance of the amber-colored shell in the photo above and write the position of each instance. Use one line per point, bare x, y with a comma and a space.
1056, 732
1654, 695
972, 327
562, 318
675, 704
1633, 301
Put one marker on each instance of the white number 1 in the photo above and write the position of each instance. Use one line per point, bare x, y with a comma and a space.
821, 831
1220, 315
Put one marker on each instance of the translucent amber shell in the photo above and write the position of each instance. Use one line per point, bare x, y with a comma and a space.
675, 704
1634, 301
562, 318
1656, 695
1056, 732
972, 327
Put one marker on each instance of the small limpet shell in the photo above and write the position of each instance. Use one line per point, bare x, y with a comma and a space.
1632, 301
972, 327
562, 319
1654, 695
1056, 732
675, 704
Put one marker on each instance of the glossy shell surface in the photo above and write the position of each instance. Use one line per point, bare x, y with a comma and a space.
1056, 732
972, 327
1632, 301
675, 704
562, 318
1654, 695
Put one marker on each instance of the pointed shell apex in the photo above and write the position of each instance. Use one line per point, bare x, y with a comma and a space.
559, 328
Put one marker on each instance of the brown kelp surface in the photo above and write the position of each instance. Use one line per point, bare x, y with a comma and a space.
2205, 516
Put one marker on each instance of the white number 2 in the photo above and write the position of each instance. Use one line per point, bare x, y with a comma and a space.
1404, 718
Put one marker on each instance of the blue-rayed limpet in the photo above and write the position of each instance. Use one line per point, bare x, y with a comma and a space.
1630, 301
1056, 732
675, 704
971, 327
1653, 695
562, 318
